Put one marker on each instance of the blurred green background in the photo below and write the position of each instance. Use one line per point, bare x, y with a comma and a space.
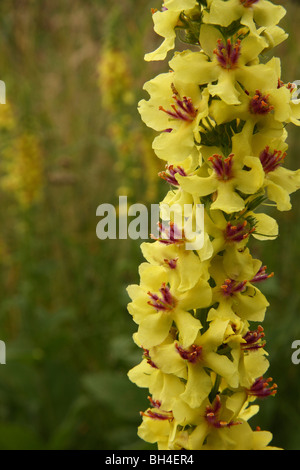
71, 139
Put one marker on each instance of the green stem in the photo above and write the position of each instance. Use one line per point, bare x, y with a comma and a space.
215, 389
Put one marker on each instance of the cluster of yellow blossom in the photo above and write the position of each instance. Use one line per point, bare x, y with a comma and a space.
220, 114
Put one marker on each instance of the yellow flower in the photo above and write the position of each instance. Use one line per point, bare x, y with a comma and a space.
175, 259
193, 363
279, 182
226, 62
228, 174
235, 291
165, 22
267, 106
157, 303
274, 35
174, 109
232, 233
240, 437
166, 388
212, 421
249, 12
157, 426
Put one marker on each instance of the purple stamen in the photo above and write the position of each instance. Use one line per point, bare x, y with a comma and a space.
238, 232
261, 388
270, 161
252, 339
211, 415
259, 104
248, 3
261, 275
222, 166
183, 109
192, 355
169, 174
231, 287
164, 303
228, 55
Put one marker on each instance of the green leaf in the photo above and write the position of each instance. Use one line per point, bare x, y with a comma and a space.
116, 392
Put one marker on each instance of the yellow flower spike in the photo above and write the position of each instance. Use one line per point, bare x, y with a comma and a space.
221, 114
115, 81
23, 170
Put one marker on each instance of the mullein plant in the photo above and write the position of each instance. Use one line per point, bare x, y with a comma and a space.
220, 114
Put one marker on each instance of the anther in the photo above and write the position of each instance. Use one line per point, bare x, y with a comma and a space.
172, 263
259, 104
146, 356
212, 415
228, 54
261, 275
231, 287
271, 160
164, 303
222, 166
169, 174
248, 3
261, 388
238, 232
253, 339
183, 109
192, 354
170, 234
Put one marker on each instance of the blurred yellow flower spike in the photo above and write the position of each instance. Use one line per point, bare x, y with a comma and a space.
115, 79
221, 114
23, 170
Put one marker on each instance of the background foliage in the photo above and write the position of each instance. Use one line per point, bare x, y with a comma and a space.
71, 139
